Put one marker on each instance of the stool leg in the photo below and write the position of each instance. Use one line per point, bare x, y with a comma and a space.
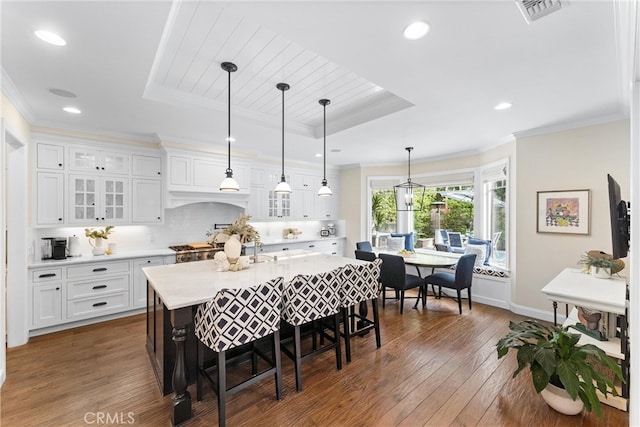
376, 321
347, 333
200, 365
222, 388
297, 359
278, 362
336, 334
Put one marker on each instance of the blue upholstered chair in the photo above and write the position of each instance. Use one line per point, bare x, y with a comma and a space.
393, 275
365, 255
459, 280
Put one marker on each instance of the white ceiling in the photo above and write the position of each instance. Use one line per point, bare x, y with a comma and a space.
150, 70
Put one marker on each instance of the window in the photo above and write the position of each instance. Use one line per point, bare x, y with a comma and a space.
452, 202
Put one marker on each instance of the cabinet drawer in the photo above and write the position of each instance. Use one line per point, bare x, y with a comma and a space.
97, 287
98, 269
46, 275
97, 306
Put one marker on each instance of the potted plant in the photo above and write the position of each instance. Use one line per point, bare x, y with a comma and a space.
600, 264
558, 365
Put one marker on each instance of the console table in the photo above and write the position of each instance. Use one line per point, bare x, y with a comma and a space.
572, 286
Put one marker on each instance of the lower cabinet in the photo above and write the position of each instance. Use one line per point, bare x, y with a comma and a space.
326, 246
77, 292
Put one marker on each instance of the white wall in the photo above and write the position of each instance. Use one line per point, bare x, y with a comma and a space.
569, 160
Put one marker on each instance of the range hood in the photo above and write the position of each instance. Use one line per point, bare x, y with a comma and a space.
181, 198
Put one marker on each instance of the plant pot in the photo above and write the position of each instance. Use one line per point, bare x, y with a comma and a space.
560, 400
98, 246
600, 272
233, 248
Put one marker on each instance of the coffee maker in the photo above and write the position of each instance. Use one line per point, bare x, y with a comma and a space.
54, 248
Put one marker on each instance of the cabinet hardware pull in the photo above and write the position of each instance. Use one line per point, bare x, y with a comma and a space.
99, 286
158, 173
59, 219
285, 249
47, 275
100, 269
60, 164
58, 288
97, 167
312, 246
98, 304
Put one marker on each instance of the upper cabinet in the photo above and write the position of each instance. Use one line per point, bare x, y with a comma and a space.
81, 185
203, 172
82, 159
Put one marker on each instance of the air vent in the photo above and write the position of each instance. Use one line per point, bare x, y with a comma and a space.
536, 9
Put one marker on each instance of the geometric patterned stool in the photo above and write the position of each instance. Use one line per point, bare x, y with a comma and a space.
235, 317
307, 299
359, 284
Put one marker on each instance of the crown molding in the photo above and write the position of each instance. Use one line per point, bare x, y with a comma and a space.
570, 125
13, 94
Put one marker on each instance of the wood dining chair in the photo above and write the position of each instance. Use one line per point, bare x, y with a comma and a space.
233, 318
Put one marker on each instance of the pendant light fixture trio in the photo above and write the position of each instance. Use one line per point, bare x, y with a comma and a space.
229, 184
324, 189
409, 189
283, 187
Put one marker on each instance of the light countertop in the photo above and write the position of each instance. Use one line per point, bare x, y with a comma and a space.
187, 284
86, 258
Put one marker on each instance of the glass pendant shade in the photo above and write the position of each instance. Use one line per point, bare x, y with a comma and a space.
324, 189
282, 187
229, 184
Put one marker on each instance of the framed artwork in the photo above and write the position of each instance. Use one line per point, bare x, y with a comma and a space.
563, 211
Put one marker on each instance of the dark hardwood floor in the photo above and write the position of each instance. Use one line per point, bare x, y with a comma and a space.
435, 367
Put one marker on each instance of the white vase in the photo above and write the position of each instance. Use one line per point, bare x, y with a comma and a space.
233, 248
559, 399
98, 246
600, 272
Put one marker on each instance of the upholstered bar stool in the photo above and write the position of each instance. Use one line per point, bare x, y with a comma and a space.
233, 318
359, 284
307, 299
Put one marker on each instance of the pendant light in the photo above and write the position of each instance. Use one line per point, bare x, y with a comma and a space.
229, 184
324, 189
283, 187
409, 190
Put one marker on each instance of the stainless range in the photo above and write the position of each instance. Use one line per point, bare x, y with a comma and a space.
188, 253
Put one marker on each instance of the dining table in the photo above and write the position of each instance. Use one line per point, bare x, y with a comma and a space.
427, 259
181, 287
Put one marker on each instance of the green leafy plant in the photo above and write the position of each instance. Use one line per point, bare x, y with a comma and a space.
599, 259
97, 233
554, 356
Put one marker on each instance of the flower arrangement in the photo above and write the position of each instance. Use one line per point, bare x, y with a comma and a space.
98, 234
245, 231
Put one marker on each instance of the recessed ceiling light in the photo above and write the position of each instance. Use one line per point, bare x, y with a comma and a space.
72, 110
502, 106
416, 31
318, 155
50, 37
63, 93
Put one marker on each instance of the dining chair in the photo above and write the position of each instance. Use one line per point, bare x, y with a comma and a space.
364, 246
305, 300
459, 280
365, 255
393, 275
233, 318
358, 285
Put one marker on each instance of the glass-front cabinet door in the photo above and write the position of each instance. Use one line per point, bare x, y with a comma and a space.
279, 205
98, 199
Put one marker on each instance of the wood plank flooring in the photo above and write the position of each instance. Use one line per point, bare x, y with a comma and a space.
435, 368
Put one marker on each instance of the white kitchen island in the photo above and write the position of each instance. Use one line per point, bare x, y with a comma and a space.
173, 293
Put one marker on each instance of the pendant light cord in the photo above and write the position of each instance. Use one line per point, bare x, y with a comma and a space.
229, 124
409, 165
282, 177
324, 145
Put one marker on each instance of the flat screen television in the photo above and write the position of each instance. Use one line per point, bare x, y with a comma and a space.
620, 220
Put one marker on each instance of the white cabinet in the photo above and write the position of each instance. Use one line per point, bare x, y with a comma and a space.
146, 166
257, 203
46, 294
278, 205
87, 159
325, 246
50, 156
203, 173
50, 198
98, 199
302, 203
139, 291
146, 201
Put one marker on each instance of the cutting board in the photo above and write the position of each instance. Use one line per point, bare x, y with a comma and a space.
199, 245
